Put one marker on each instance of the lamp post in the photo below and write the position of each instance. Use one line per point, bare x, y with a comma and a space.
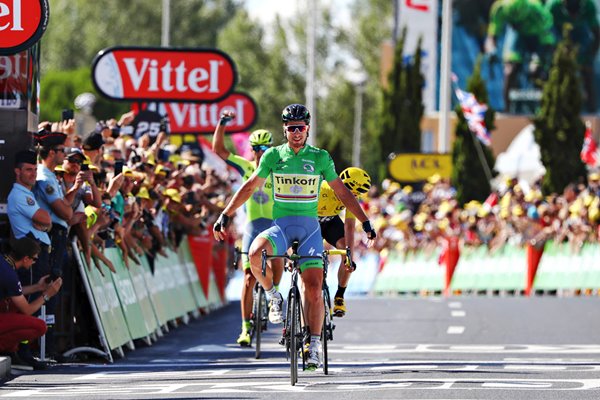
166, 23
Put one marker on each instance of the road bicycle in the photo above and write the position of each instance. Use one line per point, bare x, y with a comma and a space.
295, 334
328, 326
260, 309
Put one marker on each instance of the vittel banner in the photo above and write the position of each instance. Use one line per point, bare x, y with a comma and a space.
22, 24
203, 118
163, 74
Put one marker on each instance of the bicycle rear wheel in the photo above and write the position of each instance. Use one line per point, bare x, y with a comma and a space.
258, 319
294, 334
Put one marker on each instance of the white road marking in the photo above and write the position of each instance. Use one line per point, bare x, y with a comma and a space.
458, 313
455, 304
455, 330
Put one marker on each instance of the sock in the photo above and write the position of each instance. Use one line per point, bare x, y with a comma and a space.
315, 339
340, 292
271, 292
246, 325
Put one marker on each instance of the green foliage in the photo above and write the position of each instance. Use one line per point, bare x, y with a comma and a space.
263, 70
559, 130
468, 173
403, 103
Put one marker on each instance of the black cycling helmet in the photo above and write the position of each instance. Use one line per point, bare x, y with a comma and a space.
295, 112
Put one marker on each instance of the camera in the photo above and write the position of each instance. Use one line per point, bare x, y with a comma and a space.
67, 114
85, 167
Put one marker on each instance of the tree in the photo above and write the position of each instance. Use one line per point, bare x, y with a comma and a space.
469, 175
403, 103
263, 69
559, 130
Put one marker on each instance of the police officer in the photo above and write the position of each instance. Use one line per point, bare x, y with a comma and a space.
24, 213
50, 194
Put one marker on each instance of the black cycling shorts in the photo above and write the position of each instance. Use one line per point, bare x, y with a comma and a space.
332, 229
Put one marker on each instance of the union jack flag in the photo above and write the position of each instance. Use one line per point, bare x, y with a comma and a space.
474, 113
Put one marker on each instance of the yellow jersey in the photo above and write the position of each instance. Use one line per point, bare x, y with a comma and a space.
329, 205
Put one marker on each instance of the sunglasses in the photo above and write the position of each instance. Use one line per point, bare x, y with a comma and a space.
294, 128
260, 147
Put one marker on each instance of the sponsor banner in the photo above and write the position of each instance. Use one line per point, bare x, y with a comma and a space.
22, 24
417, 167
16, 72
163, 74
420, 17
204, 117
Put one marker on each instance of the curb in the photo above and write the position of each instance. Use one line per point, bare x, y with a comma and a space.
4, 367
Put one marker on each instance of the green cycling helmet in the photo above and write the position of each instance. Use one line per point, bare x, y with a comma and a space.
261, 137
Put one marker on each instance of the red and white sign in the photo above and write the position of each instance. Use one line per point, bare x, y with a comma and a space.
22, 24
163, 74
203, 118
15, 76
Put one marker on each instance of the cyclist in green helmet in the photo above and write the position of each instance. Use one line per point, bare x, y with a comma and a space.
259, 210
297, 170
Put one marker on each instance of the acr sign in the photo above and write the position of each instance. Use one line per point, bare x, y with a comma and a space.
417, 167
163, 74
22, 24
203, 118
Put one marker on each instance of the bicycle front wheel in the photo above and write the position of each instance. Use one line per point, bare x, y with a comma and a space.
294, 334
258, 319
325, 334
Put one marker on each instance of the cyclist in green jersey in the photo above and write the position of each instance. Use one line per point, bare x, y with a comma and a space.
259, 210
297, 170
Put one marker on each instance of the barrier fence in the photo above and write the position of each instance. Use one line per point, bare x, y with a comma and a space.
138, 303
553, 267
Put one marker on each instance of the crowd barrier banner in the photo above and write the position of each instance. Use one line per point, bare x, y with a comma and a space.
107, 304
185, 257
202, 254
134, 302
510, 268
156, 293
140, 323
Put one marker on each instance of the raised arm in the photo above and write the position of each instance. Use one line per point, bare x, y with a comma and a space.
218, 141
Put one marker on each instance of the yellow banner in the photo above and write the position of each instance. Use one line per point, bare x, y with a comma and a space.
416, 167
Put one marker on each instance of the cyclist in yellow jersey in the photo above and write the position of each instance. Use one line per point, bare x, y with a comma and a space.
337, 233
259, 211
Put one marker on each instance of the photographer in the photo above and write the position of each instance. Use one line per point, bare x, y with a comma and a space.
16, 323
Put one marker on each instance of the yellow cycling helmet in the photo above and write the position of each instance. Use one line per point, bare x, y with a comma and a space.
356, 179
261, 137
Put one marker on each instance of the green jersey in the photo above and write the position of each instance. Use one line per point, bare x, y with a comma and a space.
296, 178
526, 17
260, 204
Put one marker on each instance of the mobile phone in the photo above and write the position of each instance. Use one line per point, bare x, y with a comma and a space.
67, 114
85, 167
118, 167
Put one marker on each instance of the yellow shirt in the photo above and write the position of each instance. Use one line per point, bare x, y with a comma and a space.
329, 204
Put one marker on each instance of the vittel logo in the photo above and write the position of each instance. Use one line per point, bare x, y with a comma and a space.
164, 74
15, 13
22, 23
167, 78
